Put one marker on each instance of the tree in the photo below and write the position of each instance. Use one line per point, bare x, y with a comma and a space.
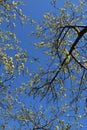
60, 85
64, 79
12, 58
14, 112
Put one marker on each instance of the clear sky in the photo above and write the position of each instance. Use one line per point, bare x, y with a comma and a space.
34, 9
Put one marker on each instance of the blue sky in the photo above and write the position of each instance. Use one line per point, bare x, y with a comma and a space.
34, 9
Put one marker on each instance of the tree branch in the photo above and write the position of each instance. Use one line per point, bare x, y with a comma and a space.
80, 34
79, 63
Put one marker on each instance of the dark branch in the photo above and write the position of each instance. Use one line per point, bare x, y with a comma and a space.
81, 33
79, 63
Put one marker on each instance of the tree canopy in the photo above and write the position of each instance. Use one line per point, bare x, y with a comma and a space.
54, 94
